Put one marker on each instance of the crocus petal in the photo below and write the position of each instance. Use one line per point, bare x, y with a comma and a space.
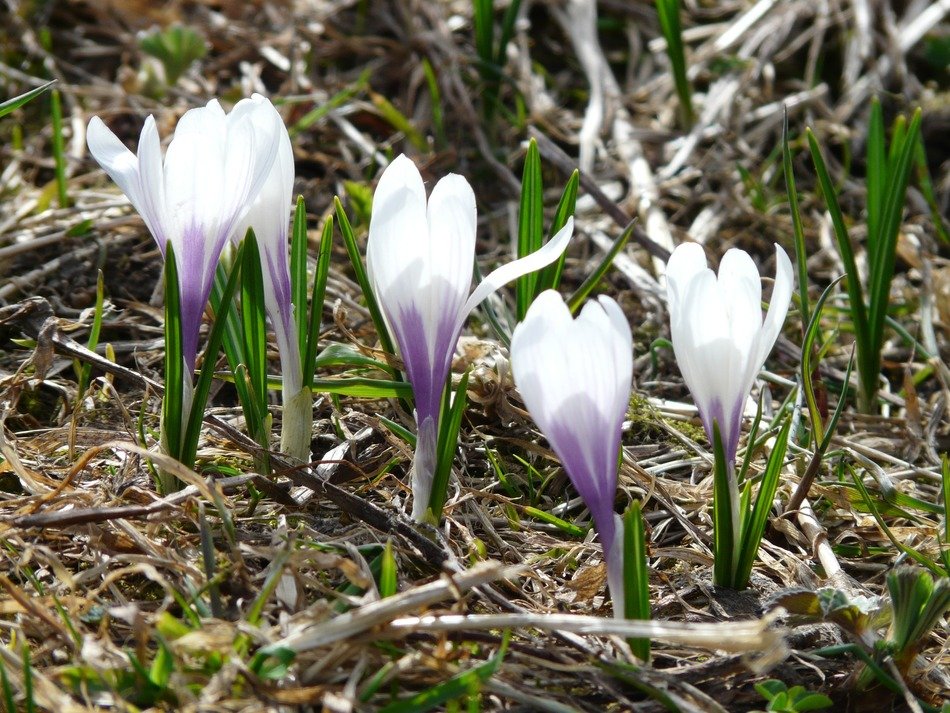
139, 177
397, 228
212, 171
778, 305
574, 377
269, 216
719, 337
548, 253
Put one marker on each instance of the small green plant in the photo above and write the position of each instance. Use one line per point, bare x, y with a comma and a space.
175, 47
796, 699
918, 603
888, 171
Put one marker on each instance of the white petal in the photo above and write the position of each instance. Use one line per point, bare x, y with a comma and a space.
547, 254
778, 305
532, 350
195, 181
684, 264
256, 140
152, 178
124, 168
451, 256
398, 233
741, 289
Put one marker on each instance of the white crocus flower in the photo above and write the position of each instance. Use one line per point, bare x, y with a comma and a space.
419, 258
269, 216
574, 376
719, 337
194, 199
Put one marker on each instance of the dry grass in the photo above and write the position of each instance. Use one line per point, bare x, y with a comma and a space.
123, 600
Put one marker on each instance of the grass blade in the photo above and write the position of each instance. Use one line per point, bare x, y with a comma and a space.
550, 277
298, 272
876, 178
174, 361
724, 525
59, 149
753, 526
668, 12
636, 578
867, 363
801, 255
530, 225
254, 316
18, 101
575, 301
317, 297
450, 420
881, 268
388, 584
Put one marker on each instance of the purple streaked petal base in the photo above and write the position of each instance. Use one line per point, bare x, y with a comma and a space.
427, 371
730, 426
588, 448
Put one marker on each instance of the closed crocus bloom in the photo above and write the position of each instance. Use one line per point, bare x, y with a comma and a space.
269, 216
419, 258
574, 377
195, 198
719, 337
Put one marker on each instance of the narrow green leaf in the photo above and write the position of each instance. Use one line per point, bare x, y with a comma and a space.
876, 178
576, 300
18, 101
867, 362
450, 421
364, 388
801, 253
530, 225
807, 370
28, 681
507, 32
388, 584
926, 184
724, 525
254, 317
881, 269
317, 298
550, 277
174, 362
59, 149
9, 706
459, 685
636, 575
753, 527
85, 370
334, 102
564, 526
668, 12
907, 550
484, 21
298, 272
435, 96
